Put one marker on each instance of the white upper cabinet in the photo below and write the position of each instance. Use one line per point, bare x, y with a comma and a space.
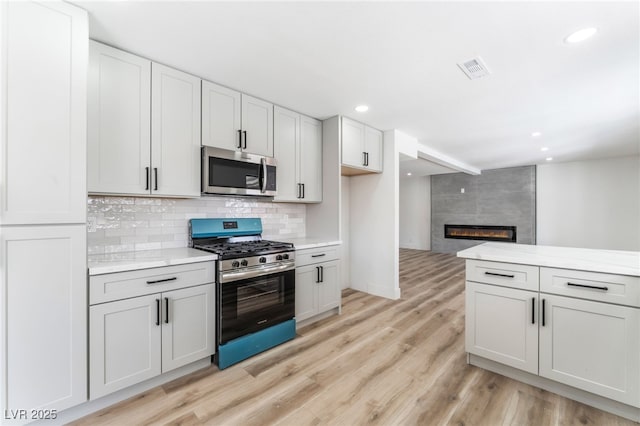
175, 132
298, 150
43, 142
135, 147
119, 114
257, 126
361, 148
221, 117
311, 159
352, 143
373, 148
286, 126
235, 121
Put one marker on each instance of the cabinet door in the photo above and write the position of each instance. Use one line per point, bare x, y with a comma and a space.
43, 120
501, 325
373, 148
44, 320
286, 128
221, 109
592, 346
124, 343
311, 159
188, 329
175, 134
119, 121
352, 143
329, 287
257, 122
306, 292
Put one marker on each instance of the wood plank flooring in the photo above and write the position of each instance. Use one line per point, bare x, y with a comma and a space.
381, 362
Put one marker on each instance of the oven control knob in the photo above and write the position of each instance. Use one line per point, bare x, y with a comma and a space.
285, 256
262, 260
279, 257
244, 262
235, 263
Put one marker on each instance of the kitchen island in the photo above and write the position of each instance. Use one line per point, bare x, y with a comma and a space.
563, 319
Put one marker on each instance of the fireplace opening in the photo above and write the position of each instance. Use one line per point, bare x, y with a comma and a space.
506, 234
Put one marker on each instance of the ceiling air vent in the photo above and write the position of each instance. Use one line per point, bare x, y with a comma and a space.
474, 68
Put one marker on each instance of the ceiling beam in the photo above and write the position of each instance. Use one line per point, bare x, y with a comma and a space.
437, 157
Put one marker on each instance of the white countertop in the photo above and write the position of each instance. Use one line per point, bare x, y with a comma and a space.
133, 260
608, 261
306, 243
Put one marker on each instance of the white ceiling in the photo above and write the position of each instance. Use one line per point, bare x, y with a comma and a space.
324, 58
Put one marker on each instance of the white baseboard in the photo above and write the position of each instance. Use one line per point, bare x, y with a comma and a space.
89, 407
588, 398
414, 246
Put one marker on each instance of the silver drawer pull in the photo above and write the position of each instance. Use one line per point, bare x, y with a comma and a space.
318, 255
162, 280
499, 275
595, 287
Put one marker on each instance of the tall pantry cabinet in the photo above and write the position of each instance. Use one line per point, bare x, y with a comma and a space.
43, 320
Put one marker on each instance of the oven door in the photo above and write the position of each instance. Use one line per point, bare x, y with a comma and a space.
249, 305
231, 172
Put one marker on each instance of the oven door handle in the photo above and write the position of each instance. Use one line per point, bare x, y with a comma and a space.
230, 276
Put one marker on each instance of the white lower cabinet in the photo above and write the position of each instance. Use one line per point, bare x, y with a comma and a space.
593, 346
501, 325
135, 339
317, 282
187, 329
124, 344
44, 317
587, 344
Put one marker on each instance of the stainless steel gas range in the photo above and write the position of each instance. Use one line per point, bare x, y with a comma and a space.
255, 286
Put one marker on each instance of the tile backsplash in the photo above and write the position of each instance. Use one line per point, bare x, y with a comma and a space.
137, 223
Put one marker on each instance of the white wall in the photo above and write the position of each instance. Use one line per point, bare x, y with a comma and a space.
374, 224
415, 212
345, 264
591, 204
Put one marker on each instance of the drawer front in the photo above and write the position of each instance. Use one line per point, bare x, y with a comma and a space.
122, 285
512, 275
316, 255
618, 289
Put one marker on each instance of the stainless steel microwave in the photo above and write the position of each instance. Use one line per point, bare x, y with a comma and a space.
237, 173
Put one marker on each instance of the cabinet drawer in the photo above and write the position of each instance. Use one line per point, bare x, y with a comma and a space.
316, 255
618, 289
504, 274
122, 285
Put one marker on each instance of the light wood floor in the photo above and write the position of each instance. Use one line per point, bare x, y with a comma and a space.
380, 362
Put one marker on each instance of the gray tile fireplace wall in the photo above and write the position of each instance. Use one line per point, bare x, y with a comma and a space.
495, 197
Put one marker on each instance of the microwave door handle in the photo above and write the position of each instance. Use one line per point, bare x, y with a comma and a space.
263, 175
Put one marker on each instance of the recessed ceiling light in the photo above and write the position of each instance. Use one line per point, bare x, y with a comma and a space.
580, 35
409, 174
544, 148
362, 108
536, 134
549, 158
